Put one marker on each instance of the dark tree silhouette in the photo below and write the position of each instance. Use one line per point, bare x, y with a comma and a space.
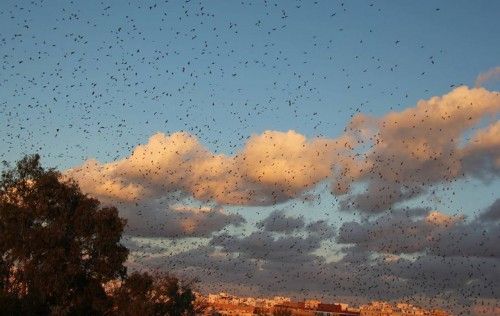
57, 245
281, 311
259, 311
59, 249
143, 294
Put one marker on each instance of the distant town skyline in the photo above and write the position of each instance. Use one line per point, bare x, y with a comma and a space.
227, 304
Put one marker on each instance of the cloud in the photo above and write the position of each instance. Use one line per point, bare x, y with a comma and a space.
375, 164
481, 156
378, 162
492, 213
279, 222
263, 261
287, 164
279, 238
487, 76
103, 181
265, 246
422, 145
321, 229
464, 277
466, 240
435, 233
411, 254
156, 218
395, 233
293, 265
150, 211
271, 168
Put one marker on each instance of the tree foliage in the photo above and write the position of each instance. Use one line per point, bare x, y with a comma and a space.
143, 294
259, 311
57, 245
281, 311
59, 249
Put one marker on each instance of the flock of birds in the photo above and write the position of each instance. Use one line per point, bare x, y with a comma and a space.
106, 63
96, 79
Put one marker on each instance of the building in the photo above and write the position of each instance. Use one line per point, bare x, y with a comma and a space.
316, 308
399, 309
230, 305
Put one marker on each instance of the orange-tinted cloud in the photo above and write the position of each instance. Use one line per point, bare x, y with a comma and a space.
272, 167
422, 145
395, 156
487, 76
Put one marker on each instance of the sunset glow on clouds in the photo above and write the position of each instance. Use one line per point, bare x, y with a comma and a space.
271, 168
396, 156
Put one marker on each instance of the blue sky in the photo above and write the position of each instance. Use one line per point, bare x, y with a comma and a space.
460, 37
248, 67
94, 79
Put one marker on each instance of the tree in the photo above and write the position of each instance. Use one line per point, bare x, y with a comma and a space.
281, 311
57, 245
133, 295
259, 311
143, 294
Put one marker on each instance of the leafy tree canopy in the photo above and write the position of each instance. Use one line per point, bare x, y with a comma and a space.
58, 246
143, 294
60, 252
